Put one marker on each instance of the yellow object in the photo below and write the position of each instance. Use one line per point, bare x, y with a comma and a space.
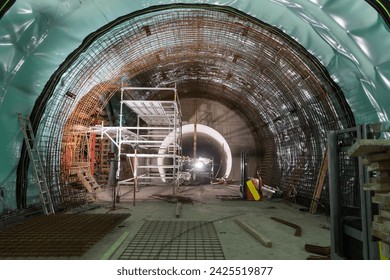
253, 190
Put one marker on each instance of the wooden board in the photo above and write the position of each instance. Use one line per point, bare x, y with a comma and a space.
380, 234
378, 219
376, 187
380, 127
364, 147
383, 197
385, 214
261, 238
379, 166
380, 179
319, 184
378, 226
376, 157
386, 224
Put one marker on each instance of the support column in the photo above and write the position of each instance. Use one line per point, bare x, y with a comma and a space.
334, 197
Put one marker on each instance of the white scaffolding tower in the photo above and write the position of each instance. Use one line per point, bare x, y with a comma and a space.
155, 154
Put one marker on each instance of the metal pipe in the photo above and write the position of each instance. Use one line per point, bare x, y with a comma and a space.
195, 124
119, 139
147, 88
135, 175
175, 170
334, 197
370, 248
195, 137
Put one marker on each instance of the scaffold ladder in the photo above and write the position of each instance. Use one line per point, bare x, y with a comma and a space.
38, 163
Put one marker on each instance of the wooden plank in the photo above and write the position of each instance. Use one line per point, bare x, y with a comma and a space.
386, 224
383, 205
320, 183
378, 226
364, 147
385, 214
380, 234
376, 187
379, 166
383, 198
263, 240
378, 219
376, 157
380, 127
298, 229
380, 179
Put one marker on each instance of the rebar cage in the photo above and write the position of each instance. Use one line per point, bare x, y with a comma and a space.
283, 94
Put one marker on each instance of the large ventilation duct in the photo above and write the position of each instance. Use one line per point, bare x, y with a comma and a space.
211, 145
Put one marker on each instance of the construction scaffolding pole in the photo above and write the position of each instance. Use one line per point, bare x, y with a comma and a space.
156, 144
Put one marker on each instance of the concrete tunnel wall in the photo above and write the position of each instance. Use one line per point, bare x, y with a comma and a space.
38, 38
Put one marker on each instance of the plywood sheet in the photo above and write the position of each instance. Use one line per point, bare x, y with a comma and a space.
365, 147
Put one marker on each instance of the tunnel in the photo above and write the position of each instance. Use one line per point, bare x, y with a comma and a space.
272, 77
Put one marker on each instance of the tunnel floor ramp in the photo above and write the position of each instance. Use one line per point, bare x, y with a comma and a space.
179, 240
59, 235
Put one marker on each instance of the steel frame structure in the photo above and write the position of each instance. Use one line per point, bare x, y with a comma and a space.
160, 137
339, 228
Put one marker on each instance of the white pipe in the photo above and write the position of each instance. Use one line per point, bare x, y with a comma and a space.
201, 129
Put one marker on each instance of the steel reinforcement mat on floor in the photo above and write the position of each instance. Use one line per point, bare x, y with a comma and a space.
179, 240
59, 235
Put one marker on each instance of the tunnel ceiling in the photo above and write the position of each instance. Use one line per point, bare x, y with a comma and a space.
278, 87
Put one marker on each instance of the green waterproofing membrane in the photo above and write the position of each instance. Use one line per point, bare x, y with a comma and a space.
348, 37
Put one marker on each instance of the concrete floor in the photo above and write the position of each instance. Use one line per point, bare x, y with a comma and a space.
236, 243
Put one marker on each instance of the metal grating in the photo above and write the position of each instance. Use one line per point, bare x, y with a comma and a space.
175, 240
154, 112
59, 235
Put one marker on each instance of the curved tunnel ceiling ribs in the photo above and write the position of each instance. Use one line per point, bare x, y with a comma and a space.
284, 95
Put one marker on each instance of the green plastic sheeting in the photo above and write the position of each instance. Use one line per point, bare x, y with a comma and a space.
348, 37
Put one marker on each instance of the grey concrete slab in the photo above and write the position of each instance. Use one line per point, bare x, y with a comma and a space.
236, 242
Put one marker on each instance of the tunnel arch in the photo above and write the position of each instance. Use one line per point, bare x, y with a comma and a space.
60, 78
282, 92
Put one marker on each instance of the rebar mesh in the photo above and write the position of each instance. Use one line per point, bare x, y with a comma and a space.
282, 93
60, 236
175, 240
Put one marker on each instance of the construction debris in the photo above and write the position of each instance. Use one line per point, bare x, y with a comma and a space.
376, 156
298, 229
229, 197
271, 192
263, 240
319, 184
174, 199
322, 252
318, 258
319, 250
